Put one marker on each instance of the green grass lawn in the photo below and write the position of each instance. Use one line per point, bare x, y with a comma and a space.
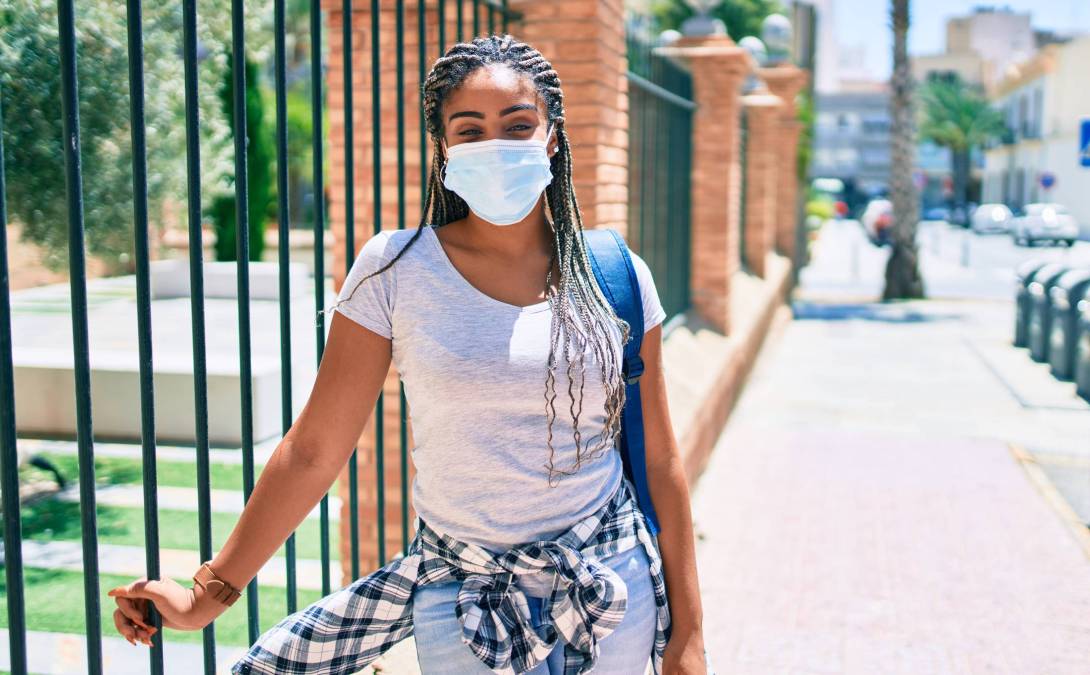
54, 602
120, 470
54, 598
52, 519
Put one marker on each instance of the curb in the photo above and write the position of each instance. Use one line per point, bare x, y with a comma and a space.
1059, 504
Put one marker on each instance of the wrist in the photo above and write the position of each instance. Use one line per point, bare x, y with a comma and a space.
207, 583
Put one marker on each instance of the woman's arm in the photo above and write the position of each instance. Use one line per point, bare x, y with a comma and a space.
299, 472
313, 452
670, 495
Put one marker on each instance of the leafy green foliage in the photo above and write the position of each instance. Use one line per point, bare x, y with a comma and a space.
741, 17
259, 158
957, 115
32, 127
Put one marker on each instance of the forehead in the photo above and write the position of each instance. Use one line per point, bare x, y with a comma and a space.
489, 89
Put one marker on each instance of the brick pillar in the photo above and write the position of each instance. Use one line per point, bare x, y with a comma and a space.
718, 68
585, 42
762, 177
786, 81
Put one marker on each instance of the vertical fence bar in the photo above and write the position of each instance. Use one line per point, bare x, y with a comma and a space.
504, 15
441, 9
349, 257
80, 343
461, 18
376, 162
647, 163
9, 458
242, 251
663, 198
283, 217
134, 24
476, 18
196, 303
402, 417
422, 58
316, 79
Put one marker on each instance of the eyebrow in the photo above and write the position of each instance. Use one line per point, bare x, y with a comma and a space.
505, 111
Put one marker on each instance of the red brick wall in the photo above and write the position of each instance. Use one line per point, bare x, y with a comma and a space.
762, 180
718, 69
584, 41
786, 81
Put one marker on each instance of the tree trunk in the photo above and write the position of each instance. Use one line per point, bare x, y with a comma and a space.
960, 174
902, 270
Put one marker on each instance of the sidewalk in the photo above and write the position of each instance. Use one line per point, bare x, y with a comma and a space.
865, 510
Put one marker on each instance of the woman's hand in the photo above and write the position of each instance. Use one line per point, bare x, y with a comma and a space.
180, 607
685, 655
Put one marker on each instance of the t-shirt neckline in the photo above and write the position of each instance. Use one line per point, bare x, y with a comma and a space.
537, 307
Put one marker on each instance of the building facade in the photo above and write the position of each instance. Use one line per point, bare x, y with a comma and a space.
981, 46
1045, 101
851, 139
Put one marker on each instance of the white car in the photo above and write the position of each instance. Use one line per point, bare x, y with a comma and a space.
877, 219
991, 218
1044, 222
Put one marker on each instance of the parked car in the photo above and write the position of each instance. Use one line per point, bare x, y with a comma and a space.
1023, 304
960, 215
1044, 221
1040, 318
877, 220
991, 218
936, 213
1065, 296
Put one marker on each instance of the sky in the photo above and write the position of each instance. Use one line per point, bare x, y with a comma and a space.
866, 23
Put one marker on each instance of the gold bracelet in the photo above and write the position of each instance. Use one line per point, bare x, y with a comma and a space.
216, 587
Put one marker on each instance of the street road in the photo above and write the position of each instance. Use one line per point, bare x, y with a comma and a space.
956, 263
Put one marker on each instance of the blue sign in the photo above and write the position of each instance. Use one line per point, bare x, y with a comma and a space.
1084, 143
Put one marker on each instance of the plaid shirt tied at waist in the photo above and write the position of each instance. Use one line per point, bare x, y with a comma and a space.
343, 632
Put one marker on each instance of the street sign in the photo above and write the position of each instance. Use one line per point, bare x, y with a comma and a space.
1084, 143
1048, 179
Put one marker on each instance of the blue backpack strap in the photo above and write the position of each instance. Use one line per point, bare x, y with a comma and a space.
616, 277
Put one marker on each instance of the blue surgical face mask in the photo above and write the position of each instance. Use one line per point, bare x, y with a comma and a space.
500, 179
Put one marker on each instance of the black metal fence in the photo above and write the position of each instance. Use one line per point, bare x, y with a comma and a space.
660, 160
472, 18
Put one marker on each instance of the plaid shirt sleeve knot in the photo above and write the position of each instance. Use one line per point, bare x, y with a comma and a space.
343, 632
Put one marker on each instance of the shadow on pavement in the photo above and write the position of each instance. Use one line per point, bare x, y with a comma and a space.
893, 313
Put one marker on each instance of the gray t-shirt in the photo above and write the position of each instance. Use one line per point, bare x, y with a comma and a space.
474, 372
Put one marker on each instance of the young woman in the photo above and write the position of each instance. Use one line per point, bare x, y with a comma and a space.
530, 554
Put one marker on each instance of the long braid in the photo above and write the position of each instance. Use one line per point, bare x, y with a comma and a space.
578, 295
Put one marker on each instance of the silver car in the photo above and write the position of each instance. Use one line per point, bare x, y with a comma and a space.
991, 218
1044, 222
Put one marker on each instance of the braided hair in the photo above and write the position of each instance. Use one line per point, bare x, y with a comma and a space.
578, 295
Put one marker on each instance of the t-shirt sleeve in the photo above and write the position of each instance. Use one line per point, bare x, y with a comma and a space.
371, 304
653, 313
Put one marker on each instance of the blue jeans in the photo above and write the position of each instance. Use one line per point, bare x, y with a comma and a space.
625, 651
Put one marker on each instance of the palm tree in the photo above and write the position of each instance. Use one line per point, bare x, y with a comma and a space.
903, 278
957, 115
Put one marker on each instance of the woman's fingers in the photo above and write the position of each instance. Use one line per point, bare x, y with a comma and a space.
124, 626
131, 631
133, 609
